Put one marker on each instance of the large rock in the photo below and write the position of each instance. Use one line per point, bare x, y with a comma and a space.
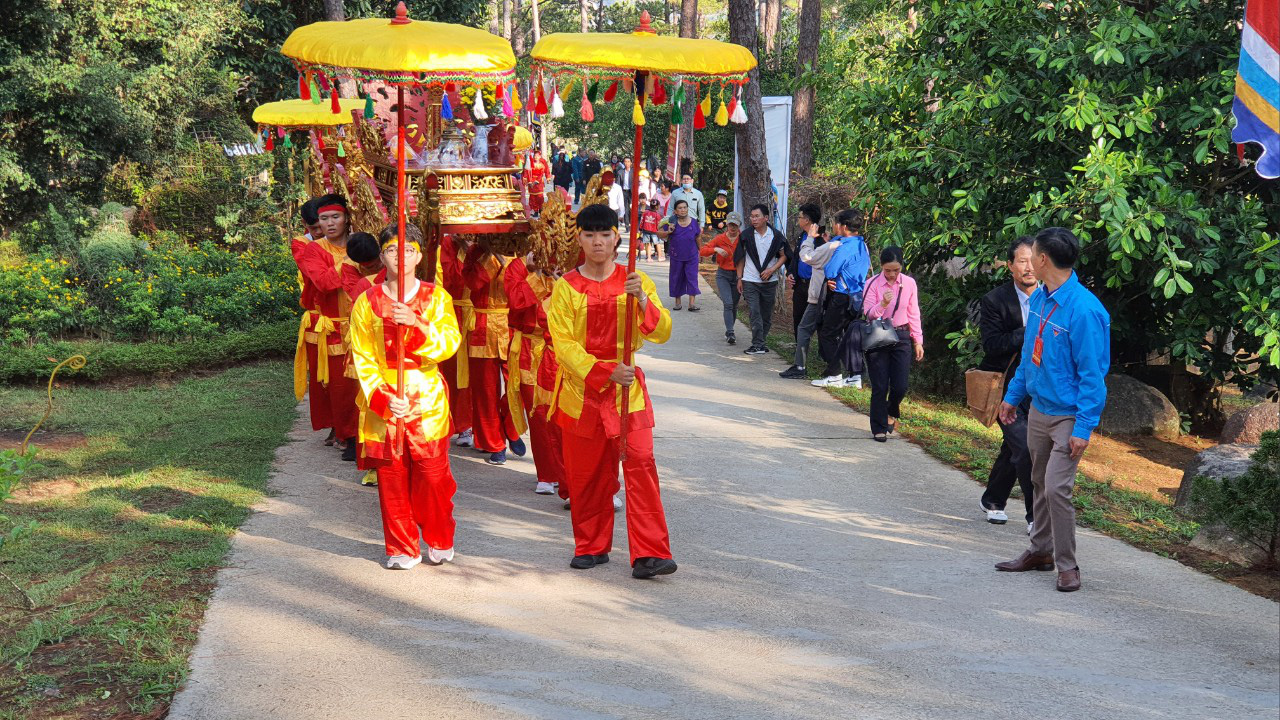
1248, 425
1135, 408
1223, 461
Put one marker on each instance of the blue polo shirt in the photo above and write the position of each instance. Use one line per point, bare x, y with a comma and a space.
849, 265
1076, 354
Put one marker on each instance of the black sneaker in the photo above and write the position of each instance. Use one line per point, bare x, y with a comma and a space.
793, 373
757, 350
586, 562
349, 452
648, 567
731, 339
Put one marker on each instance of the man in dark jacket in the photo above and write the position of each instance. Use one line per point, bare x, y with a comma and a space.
1003, 319
760, 254
799, 273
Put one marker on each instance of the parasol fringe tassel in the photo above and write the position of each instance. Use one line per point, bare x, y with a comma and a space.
515, 99
587, 112
739, 113
540, 103
304, 88
637, 114
659, 93
557, 105
368, 107
271, 142
722, 115
477, 110
315, 92
334, 105
446, 108
699, 118
705, 105
612, 92
593, 93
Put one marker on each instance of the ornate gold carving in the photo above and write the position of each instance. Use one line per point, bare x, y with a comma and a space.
312, 175
554, 236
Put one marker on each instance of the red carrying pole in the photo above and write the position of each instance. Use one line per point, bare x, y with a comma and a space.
400, 213
633, 227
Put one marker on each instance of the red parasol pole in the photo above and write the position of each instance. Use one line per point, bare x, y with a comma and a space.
400, 213
633, 227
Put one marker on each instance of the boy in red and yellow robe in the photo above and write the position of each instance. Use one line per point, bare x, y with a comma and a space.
488, 339
527, 295
320, 358
586, 318
457, 369
415, 484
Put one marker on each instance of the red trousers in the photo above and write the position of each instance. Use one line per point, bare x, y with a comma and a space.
332, 405
546, 441
459, 400
591, 466
416, 496
490, 419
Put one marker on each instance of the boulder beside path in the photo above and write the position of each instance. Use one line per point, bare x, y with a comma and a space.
1248, 425
1135, 408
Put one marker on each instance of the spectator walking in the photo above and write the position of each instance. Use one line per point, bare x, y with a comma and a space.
656, 181
562, 174
814, 253
624, 181
799, 272
758, 260
682, 232
846, 274
724, 248
1003, 322
591, 167
579, 165
614, 190
697, 204
664, 197
1066, 352
718, 211
892, 295
649, 220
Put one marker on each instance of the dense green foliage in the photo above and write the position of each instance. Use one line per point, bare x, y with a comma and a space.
1249, 505
995, 118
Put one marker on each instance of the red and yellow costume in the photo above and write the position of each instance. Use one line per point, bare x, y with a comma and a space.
586, 319
535, 176
527, 295
322, 348
415, 485
355, 283
457, 369
487, 339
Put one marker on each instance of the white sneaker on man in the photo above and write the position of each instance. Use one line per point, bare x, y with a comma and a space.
617, 503
402, 562
465, 439
545, 488
853, 382
995, 517
830, 381
436, 557
1031, 526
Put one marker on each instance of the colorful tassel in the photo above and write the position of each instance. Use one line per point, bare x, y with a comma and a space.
699, 118
498, 91
446, 108
739, 114
450, 87
334, 105
288, 141
271, 142
515, 100
705, 105
540, 104
477, 110
659, 93
722, 115
506, 106
637, 114
677, 106
587, 112
316, 97
612, 92
324, 82
733, 107
368, 107
342, 151
280, 132
304, 88
557, 105
593, 93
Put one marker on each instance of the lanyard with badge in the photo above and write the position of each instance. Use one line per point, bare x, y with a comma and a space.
1038, 348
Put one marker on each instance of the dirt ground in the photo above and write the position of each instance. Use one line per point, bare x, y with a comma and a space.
1141, 462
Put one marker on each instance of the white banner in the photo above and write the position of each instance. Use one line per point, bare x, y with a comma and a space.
777, 142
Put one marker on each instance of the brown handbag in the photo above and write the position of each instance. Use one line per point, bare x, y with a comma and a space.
985, 391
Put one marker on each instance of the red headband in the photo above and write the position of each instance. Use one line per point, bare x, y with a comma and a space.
332, 208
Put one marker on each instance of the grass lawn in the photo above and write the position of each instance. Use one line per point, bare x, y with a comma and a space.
140, 489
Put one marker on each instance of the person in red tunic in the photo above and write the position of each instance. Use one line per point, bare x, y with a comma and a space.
488, 339
457, 369
362, 271
324, 329
536, 174
528, 291
585, 318
407, 439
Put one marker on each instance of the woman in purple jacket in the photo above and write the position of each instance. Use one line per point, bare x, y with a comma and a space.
681, 233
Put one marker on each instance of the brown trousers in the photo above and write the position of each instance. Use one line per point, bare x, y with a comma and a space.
1053, 475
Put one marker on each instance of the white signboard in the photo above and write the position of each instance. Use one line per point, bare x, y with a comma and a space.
777, 140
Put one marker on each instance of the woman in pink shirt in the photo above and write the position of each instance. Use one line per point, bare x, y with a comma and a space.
892, 294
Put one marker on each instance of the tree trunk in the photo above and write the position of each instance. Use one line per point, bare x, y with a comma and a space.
769, 30
536, 24
517, 30
600, 16
336, 11
536, 21
582, 8
506, 19
753, 161
810, 34
688, 29
495, 17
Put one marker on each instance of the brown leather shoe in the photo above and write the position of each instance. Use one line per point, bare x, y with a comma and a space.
1069, 580
1027, 561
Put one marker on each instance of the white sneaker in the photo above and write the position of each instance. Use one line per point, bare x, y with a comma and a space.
1031, 526
465, 439
617, 503
437, 557
545, 488
995, 517
853, 382
566, 503
402, 562
831, 381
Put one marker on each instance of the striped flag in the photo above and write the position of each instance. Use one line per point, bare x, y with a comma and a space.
1257, 101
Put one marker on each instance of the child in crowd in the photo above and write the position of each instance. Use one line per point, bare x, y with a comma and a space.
649, 219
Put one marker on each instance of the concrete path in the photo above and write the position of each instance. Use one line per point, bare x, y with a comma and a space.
822, 575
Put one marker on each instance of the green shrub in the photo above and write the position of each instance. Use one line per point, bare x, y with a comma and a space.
58, 232
109, 247
43, 299
111, 360
1248, 505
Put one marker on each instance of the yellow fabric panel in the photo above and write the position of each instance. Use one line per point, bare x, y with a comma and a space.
642, 51
1261, 108
304, 113
368, 354
418, 47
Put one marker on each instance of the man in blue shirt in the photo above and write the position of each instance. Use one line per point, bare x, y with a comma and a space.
578, 164
1066, 352
846, 273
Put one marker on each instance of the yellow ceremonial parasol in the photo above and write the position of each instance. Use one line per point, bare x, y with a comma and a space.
398, 52
644, 58
296, 113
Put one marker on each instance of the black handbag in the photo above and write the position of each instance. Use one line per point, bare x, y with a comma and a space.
880, 333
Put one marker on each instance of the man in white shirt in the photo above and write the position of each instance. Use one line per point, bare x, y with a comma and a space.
697, 204
759, 256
